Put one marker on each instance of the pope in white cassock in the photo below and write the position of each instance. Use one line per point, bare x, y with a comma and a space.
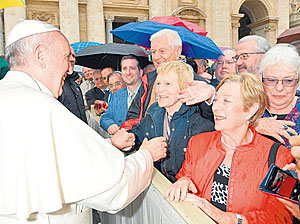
53, 167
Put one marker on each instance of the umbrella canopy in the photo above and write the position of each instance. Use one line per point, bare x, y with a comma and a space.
78, 46
193, 45
11, 3
289, 35
177, 21
110, 55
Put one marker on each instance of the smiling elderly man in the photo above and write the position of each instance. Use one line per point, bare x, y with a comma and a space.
249, 53
166, 46
54, 167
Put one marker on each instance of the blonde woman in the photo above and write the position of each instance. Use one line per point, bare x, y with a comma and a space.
170, 118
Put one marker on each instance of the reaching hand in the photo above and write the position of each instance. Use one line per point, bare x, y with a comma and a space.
295, 142
275, 128
123, 140
156, 146
206, 75
196, 92
179, 190
113, 129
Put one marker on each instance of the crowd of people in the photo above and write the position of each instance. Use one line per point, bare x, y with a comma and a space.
93, 143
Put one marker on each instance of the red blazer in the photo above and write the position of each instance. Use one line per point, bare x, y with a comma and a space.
205, 153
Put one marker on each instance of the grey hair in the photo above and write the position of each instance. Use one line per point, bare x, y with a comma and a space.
15, 52
18, 51
262, 44
201, 63
284, 53
173, 37
96, 71
115, 73
230, 49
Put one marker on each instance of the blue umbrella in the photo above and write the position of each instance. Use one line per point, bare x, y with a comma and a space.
193, 45
78, 46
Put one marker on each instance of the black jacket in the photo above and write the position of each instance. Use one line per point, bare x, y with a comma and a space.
184, 124
72, 97
95, 94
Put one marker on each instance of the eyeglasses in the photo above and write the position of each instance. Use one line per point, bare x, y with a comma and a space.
228, 62
245, 56
100, 78
287, 82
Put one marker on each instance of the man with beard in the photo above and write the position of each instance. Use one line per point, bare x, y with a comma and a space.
249, 52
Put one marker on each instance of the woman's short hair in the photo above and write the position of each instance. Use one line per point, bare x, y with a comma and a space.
252, 92
183, 70
284, 53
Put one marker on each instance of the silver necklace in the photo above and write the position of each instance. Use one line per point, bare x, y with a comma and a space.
234, 147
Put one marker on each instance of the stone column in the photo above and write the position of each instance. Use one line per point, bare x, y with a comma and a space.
221, 23
12, 16
235, 18
108, 27
69, 19
95, 21
157, 8
284, 21
2, 43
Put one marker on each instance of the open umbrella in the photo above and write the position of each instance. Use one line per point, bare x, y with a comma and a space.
177, 21
193, 45
78, 46
289, 35
11, 3
110, 55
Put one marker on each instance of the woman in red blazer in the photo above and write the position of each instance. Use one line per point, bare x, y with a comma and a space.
224, 168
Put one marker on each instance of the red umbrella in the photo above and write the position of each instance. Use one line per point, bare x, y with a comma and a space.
289, 35
177, 21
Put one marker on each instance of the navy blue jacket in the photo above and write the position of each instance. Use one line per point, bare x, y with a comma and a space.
185, 123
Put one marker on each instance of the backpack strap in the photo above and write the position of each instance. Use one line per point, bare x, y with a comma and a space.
273, 153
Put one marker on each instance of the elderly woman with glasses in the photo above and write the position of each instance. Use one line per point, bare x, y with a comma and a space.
224, 168
279, 70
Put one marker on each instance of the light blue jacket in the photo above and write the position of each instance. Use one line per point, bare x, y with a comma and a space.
117, 110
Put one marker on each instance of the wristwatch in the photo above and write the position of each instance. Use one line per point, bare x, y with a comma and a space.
239, 218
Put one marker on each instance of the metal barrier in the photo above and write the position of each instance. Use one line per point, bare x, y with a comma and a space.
151, 207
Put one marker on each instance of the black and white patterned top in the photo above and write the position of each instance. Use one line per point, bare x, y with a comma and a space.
220, 187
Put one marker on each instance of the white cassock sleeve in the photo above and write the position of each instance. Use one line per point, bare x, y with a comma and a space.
50, 158
135, 179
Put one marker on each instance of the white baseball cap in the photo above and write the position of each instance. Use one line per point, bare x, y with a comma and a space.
27, 28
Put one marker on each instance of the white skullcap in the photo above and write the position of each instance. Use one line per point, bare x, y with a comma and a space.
27, 28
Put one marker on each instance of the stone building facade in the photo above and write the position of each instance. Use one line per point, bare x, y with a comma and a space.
225, 20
